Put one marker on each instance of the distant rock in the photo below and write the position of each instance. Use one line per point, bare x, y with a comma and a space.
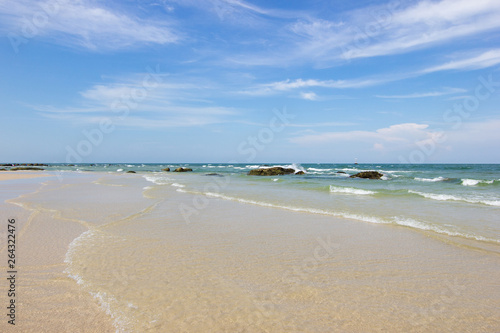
340, 172
368, 175
166, 169
130, 171
24, 164
274, 171
70, 165
214, 174
183, 170
26, 168
300, 173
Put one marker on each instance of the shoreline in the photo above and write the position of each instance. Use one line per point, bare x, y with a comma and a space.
265, 255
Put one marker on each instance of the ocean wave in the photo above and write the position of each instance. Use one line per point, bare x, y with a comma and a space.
448, 197
437, 179
350, 169
319, 170
475, 182
350, 190
158, 180
407, 222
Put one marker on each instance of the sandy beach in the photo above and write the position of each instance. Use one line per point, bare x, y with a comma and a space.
10, 175
105, 253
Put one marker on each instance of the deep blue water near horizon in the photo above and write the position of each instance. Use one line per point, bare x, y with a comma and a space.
461, 201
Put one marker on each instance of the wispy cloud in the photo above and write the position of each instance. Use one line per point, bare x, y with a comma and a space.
82, 23
311, 96
167, 104
483, 60
380, 30
447, 91
400, 136
287, 85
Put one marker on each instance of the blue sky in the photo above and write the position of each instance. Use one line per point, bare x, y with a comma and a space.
250, 81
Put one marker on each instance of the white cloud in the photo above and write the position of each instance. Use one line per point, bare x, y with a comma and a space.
483, 60
311, 96
83, 23
447, 91
400, 135
287, 85
389, 29
166, 104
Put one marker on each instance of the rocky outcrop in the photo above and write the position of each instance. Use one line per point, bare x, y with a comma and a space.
23, 164
368, 175
274, 171
300, 173
183, 170
26, 168
166, 169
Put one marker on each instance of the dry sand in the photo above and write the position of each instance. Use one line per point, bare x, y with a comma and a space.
10, 175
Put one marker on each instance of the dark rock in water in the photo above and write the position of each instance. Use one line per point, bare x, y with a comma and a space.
183, 170
340, 172
274, 171
300, 173
26, 168
130, 171
368, 175
214, 174
3, 169
71, 165
166, 169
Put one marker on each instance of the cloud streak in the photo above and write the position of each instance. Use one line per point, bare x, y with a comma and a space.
448, 91
82, 23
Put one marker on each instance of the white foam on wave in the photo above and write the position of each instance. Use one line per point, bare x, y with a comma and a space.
448, 197
105, 301
350, 190
119, 170
474, 182
350, 169
437, 179
178, 185
158, 180
319, 170
408, 222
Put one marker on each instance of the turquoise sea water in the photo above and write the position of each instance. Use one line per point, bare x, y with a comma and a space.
455, 200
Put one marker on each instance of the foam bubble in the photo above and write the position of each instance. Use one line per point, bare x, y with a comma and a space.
350, 190
437, 179
448, 197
